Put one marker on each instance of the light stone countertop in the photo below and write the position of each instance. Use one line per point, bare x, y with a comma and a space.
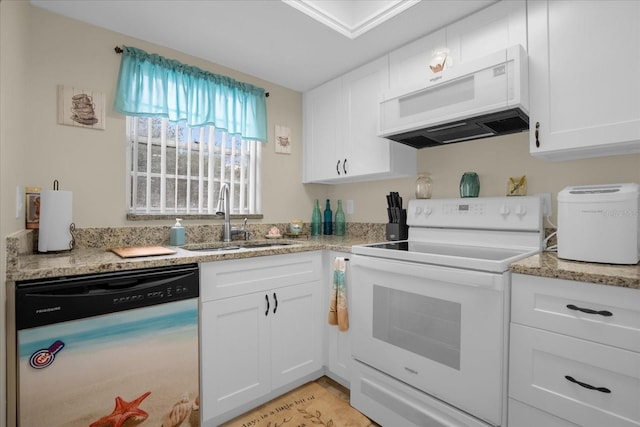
547, 264
100, 260
91, 255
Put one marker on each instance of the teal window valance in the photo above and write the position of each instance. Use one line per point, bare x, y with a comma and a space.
150, 85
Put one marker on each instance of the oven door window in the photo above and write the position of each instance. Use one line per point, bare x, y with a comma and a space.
424, 325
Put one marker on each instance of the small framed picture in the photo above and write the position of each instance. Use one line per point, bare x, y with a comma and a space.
81, 107
283, 140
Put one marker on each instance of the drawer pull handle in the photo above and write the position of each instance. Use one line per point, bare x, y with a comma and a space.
412, 371
266, 297
589, 386
604, 313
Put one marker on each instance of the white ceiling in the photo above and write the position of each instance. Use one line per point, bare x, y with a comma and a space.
267, 38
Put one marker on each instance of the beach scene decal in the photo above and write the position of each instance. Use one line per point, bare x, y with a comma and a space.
137, 367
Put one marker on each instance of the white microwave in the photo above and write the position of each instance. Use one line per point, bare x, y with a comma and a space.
485, 97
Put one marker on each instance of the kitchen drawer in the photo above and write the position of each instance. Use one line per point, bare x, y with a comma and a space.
225, 279
522, 415
540, 361
543, 303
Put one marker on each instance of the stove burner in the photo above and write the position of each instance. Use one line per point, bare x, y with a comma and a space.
398, 246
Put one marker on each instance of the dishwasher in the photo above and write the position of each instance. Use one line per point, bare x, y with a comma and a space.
108, 349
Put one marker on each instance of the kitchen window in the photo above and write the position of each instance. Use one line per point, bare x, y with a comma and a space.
189, 131
178, 169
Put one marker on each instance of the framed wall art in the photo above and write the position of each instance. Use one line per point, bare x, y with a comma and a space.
283, 140
81, 107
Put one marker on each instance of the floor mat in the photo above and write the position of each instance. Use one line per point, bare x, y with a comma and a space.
308, 405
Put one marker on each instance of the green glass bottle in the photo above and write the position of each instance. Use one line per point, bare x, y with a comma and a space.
340, 225
469, 185
316, 220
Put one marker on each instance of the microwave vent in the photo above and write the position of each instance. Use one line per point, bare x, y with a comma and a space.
499, 123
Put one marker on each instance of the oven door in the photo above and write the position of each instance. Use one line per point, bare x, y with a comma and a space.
439, 329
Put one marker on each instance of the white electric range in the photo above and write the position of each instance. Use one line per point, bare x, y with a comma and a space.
430, 314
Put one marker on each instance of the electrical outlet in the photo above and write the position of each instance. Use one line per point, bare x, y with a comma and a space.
349, 207
546, 203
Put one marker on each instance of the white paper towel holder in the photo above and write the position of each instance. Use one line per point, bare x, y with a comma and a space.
56, 226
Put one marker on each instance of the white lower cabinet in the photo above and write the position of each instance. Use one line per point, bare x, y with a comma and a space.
574, 356
261, 330
521, 415
338, 347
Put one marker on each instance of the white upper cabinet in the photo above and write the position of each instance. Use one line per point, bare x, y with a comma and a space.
495, 28
584, 78
341, 126
371, 155
322, 118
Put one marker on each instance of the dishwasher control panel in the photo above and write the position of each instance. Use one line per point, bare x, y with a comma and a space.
54, 300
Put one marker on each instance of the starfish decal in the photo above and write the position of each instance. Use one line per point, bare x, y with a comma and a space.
123, 411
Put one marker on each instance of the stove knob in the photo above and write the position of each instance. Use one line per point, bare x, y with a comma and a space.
418, 211
521, 211
504, 211
427, 211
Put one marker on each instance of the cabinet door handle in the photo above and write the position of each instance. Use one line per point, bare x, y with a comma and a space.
275, 298
589, 386
344, 166
338, 167
537, 134
266, 297
604, 313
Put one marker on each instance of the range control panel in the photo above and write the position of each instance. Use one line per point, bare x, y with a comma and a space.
503, 213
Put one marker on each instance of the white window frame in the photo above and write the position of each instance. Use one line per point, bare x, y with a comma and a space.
248, 183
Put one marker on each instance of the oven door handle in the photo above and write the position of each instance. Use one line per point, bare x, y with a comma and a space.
455, 276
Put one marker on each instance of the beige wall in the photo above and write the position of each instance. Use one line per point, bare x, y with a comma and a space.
92, 163
495, 160
14, 31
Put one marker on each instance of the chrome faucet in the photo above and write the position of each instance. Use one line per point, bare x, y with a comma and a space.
224, 208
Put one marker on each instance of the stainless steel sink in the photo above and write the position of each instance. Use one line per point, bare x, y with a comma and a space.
230, 247
214, 249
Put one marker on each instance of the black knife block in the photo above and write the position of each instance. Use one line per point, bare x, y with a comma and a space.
398, 230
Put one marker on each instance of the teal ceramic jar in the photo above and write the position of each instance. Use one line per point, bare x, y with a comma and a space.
469, 185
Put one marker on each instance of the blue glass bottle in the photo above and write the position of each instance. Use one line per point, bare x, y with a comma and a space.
328, 219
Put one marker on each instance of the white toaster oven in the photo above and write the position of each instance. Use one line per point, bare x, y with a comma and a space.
600, 223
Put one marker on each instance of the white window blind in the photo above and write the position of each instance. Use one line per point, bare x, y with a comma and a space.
176, 169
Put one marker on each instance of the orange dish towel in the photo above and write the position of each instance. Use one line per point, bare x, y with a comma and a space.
338, 314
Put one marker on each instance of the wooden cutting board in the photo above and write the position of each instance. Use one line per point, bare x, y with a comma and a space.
139, 251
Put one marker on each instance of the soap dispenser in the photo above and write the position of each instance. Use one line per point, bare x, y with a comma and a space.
176, 237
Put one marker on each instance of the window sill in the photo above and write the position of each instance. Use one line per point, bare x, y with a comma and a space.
151, 217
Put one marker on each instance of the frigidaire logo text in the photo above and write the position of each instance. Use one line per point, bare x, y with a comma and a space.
48, 309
